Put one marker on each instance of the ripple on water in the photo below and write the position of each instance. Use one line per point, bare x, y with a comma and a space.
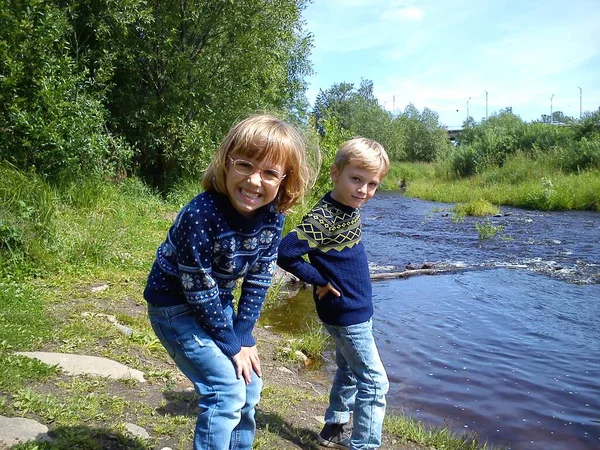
509, 355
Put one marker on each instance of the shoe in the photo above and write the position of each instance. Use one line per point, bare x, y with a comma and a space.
335, 435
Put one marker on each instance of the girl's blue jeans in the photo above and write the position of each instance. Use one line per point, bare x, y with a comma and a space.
226, 418
359, 385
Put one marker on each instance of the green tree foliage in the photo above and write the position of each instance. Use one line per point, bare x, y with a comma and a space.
424, 138
49, 119
84, 83
412, 135
576, 146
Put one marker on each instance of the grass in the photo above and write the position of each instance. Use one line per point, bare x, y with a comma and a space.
522, 182
56, 245
487, 230
311, 342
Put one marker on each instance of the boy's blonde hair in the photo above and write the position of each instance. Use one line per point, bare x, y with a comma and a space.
265, 138
365, 154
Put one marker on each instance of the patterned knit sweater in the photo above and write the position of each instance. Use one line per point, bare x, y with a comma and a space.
330, 235
207, 249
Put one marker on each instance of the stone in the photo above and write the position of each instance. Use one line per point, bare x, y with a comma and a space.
87, 365
137, 431
17, 430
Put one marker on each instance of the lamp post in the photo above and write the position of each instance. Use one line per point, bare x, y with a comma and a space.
551, 119
579, 101
486, 105
468, 108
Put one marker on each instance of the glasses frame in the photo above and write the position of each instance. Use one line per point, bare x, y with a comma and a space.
254, 170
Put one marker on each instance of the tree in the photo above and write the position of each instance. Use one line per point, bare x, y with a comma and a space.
50, 120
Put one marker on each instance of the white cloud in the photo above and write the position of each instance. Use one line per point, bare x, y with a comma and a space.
402, 14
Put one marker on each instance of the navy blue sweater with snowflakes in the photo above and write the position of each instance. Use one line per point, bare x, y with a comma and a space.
330, 235
208, 248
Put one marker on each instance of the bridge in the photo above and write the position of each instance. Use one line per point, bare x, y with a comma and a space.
453, 132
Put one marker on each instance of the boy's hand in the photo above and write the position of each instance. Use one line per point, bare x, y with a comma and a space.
245, 362
323, 290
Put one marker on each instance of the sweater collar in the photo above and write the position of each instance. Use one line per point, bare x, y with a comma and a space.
345, 208
231, 214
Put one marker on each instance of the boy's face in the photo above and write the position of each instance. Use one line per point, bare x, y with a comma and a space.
353, 186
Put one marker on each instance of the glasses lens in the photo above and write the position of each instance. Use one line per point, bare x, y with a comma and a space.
270, 176
243, 167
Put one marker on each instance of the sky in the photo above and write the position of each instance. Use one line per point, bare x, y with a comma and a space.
531, 55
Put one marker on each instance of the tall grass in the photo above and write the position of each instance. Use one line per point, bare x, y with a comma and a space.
522, 181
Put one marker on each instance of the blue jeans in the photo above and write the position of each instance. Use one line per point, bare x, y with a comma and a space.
226, 418
359, 385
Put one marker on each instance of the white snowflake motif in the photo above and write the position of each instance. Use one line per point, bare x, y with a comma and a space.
167, 249
216, 247
208, 283
266, 237
251, 243
255, 268
232, 245
271, 268
187, 281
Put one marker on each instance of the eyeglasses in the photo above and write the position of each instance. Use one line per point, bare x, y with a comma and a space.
246, 168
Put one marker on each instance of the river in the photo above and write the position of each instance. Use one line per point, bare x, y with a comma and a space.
505, 345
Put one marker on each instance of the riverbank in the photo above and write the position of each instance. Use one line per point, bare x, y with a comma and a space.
73, 266
87, 411
521, 182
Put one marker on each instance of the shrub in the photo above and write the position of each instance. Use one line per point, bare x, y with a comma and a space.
581, 155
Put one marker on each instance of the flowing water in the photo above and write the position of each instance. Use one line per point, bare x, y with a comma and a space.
506, 344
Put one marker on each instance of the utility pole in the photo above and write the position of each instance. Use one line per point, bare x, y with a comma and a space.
551, 118
486, 105
580, 102
468, 108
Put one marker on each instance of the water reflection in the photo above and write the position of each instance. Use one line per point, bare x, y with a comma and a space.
482, 351
512, 355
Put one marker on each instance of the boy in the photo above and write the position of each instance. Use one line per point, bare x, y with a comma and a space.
339, 272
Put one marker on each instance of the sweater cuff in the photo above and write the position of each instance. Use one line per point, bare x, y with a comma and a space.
243, 329
229, 346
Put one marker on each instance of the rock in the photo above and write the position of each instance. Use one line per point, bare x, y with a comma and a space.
112, 319
87, 365
301, 357
136, 431
99, 288
285, 370
16, 430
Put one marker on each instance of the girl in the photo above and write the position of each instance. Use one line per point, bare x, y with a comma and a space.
230, 231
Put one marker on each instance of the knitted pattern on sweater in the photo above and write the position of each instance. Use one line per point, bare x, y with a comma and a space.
330, 235
208, 248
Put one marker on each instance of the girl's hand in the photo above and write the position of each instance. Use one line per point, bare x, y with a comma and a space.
246, 361
323, 290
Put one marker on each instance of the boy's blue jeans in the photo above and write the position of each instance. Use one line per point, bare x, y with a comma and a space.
226, 418
359, 386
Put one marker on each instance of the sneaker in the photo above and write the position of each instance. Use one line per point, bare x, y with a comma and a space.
335, 435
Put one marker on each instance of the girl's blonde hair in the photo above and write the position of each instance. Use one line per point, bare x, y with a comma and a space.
364, 153
265, 138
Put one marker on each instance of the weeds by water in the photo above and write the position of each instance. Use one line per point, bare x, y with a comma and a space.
487, 229
522, 181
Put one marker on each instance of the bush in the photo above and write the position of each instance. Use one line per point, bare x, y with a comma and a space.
582, 155
463, 161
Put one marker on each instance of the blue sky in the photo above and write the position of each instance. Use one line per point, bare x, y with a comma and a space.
438, 53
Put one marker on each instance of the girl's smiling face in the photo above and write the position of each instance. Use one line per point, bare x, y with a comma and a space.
247, 193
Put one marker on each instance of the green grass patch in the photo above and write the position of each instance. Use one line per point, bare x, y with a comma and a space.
522, 182
477, 208
407, 429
